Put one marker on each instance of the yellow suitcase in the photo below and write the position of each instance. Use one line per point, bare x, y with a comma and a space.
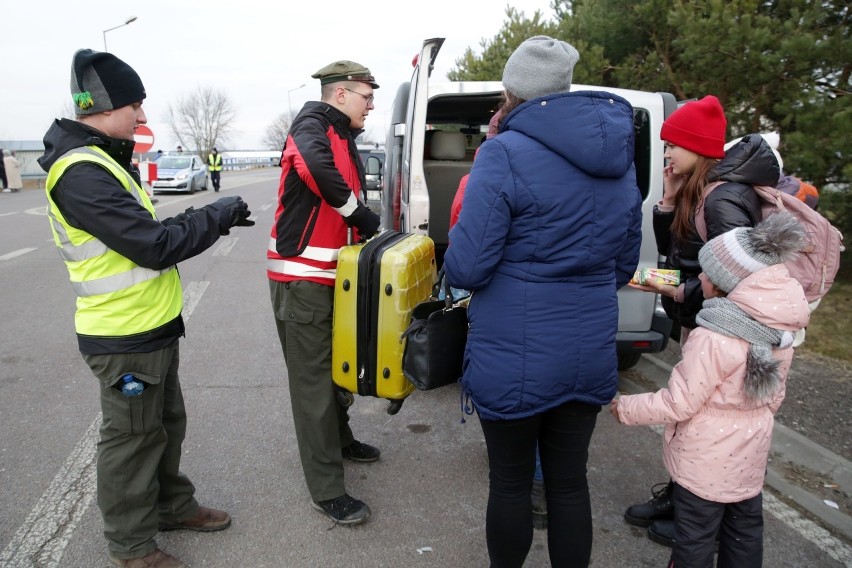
378, 283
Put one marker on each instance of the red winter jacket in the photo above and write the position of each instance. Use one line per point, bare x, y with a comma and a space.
321, 179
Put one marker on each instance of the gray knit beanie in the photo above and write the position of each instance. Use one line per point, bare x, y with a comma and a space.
732, 256
540, 66
101, 81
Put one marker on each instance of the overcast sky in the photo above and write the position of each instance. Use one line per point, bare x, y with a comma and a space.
254, 50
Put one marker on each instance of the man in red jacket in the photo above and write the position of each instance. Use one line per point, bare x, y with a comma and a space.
318, 202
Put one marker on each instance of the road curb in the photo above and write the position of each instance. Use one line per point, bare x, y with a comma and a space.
652, 373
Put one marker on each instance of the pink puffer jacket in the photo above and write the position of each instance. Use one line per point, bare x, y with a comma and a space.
716, 442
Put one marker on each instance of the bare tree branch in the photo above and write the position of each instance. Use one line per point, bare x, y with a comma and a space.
277, 131
202, 119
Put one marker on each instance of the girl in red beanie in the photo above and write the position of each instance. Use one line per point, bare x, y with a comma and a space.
694, 136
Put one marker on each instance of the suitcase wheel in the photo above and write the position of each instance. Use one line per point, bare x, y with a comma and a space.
394, 406
344, 398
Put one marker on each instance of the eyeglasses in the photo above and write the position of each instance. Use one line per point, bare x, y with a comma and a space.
368, 98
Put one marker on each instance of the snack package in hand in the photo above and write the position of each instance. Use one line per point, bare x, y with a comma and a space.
645, 276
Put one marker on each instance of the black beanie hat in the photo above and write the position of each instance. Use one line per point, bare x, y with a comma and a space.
101, 81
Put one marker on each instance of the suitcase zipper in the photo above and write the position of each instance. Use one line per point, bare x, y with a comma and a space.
367, 300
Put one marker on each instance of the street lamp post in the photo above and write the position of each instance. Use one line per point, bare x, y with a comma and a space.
289, 104
129, 20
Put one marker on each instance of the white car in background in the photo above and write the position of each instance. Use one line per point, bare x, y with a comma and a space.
181, 172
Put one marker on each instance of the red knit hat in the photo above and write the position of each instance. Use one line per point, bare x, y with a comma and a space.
698, 126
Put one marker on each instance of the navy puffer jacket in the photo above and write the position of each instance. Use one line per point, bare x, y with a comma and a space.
550, 228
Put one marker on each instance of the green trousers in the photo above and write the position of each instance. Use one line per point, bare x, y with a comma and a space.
139, 478
303, 315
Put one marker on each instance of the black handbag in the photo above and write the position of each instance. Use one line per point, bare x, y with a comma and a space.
436, 337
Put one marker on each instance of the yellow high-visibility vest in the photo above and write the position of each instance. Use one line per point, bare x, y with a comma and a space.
115, 296
214, 163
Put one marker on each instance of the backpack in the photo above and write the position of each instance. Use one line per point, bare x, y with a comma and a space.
816, 265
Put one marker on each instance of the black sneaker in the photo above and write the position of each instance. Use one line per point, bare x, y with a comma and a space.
659, 507
344, 510
358, 452
662, 532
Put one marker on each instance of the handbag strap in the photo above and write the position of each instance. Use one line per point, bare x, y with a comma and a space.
442, 282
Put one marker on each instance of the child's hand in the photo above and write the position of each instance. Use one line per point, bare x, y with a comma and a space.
613, 408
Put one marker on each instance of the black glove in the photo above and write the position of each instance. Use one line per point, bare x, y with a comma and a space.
366, 221
233, 212
179, 218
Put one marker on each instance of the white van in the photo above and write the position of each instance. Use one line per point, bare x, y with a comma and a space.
434, 132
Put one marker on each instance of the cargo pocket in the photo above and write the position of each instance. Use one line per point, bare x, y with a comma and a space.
298, 337
137, 414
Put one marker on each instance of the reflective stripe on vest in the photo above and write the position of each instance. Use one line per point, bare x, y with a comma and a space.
215, 164
116, 296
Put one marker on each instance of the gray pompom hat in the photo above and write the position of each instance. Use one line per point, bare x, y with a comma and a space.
101, 81
729, 258
540, 66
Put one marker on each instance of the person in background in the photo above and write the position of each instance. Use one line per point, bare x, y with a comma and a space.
549, 230
180, 149
121, 260
725, 391
13, 173
214, 164
455, 208
695, 138
3, 179
322, 177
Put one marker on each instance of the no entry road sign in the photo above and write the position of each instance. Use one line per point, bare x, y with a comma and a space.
144, 139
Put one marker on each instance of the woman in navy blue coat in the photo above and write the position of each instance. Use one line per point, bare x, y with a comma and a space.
549, 230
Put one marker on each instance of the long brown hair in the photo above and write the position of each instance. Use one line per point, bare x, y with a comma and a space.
510, 103
689, 196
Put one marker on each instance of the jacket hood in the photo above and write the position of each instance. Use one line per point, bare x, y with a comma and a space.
750, 162
64, 135
774, 298
587, 128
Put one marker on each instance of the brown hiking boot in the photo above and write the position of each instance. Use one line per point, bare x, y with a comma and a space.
156, 559
204, 520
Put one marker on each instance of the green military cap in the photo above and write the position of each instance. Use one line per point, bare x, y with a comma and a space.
345, 71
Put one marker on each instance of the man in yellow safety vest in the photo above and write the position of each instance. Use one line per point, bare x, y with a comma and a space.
214, 164
122, 262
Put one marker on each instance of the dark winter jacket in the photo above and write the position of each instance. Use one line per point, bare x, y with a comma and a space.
730, 205
322, 177
93, 200
550, 228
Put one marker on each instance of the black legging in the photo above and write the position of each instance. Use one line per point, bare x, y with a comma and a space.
563, 435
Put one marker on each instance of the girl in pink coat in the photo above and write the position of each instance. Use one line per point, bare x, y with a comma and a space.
722, 396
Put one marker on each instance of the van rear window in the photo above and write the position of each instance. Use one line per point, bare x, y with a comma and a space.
642, 150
